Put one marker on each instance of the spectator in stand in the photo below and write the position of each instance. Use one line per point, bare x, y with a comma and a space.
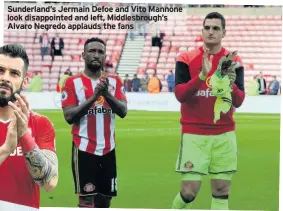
154, 85
162, 35
171, 81
144, 82
273, 86
155, 35
253, 87
262, 84
67, 74
136, 83
128, 83
57, 45
36, 83
44, 43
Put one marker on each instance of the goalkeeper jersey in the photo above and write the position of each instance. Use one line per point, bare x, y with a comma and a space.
196, 98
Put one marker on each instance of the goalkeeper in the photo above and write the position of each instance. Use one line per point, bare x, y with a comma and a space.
209, 84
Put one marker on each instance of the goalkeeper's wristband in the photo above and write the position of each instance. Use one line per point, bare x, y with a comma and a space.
202, 77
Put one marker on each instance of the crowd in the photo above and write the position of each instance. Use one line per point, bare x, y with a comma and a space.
53, 47
258, 86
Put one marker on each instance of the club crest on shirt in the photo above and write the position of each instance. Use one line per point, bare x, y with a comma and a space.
89, 187
207, 82
64, 95
100, 101
188, 165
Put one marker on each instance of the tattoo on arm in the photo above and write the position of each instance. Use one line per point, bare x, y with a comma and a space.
42, 165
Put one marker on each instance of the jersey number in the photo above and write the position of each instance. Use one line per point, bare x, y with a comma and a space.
113, 184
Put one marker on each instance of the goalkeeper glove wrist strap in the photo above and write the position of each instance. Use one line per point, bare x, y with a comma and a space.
202, 77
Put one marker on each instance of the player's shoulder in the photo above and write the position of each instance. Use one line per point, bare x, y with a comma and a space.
236, 58
70, 79
188, 56
114, 76
39, 119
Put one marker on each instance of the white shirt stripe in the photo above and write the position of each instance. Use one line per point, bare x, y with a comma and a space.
113, 83
100, 140
100, 132
112, 130
80, 92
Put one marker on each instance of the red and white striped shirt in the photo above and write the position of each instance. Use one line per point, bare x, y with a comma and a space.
95, 132
18, 191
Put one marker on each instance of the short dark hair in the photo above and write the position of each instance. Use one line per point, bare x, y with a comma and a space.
94, 39
14, 51
216, 15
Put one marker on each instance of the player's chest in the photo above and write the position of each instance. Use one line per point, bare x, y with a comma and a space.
196, 67
86, 90
17, 155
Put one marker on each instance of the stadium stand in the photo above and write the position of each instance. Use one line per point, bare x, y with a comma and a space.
256, 37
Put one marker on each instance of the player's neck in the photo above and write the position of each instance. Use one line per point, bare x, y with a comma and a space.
213, 49
93, 75
6, 113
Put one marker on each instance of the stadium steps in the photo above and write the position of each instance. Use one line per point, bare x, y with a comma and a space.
130, 57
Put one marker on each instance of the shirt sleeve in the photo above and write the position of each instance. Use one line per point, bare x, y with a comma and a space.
238, 94
185, 85
120, 90
45, 134
68, 94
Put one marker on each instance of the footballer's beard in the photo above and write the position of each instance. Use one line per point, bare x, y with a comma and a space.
94, 67
4, 100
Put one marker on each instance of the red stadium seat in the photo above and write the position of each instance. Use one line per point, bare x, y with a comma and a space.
152, 65
140, 70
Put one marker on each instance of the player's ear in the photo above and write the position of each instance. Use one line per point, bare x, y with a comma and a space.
25, 83
224, 33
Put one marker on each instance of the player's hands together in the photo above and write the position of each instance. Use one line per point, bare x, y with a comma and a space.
102, 87
206, 62
21, 112
11, 141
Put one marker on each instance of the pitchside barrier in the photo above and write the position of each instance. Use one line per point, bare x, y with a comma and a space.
158, 102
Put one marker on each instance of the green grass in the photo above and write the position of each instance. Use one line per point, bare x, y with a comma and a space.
147, 147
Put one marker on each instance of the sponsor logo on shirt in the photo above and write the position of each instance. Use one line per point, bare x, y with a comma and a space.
99, 110
100, 101
205, 93
17, 152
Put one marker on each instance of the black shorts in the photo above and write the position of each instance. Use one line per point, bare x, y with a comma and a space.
94, 174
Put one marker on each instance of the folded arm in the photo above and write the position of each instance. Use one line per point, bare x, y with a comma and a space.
118, 107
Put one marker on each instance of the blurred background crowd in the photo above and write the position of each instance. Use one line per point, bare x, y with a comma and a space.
145, 57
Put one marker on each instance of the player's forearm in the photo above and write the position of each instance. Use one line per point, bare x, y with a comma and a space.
118, 107
74, 114
184, 92
42, 164
185, 85
4, 153
238, 96
238, 93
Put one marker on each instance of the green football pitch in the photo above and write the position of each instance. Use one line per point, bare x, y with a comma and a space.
147, 147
